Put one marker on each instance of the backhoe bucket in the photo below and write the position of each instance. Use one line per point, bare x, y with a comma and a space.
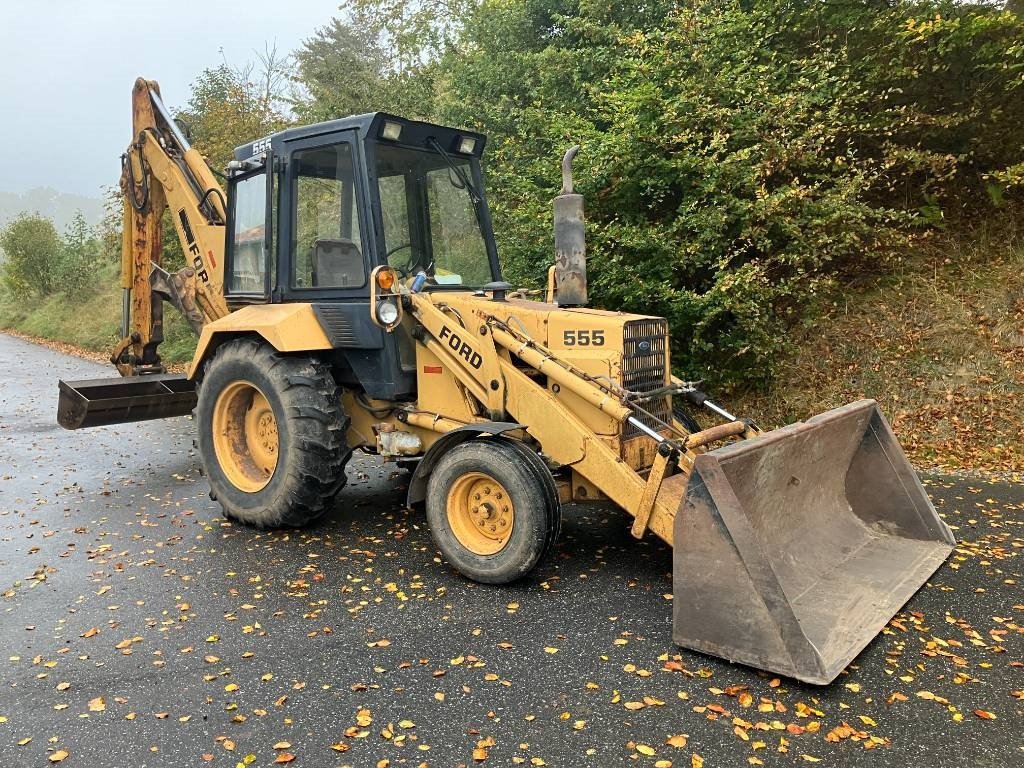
794, 549
98, 402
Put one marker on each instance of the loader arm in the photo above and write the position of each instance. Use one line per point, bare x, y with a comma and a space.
482, 352
161, 171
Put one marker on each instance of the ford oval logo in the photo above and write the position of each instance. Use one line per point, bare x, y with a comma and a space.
644, 346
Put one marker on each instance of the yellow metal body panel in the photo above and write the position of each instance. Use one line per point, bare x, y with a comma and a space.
286, 327
561, 331
438, 390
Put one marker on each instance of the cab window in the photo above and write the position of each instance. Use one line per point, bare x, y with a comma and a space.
327, 247
248, 259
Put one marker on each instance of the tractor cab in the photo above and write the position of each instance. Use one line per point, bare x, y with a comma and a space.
312, 211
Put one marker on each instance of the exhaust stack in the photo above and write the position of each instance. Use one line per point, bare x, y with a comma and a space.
570, 245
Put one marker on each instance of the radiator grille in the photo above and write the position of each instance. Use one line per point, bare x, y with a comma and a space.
645, 368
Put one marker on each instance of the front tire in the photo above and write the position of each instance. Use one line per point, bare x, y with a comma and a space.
492, 509
271, 434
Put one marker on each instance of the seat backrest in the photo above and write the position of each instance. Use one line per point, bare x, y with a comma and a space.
337, 264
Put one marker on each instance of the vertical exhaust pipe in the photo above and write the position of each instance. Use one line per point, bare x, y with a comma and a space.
570, 245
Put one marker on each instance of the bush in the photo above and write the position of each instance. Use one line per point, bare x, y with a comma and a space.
80, 257
33, 251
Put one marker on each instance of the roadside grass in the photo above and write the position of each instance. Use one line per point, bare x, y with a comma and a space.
91, 321
939, 344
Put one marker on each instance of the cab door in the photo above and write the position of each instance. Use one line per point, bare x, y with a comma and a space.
326, 252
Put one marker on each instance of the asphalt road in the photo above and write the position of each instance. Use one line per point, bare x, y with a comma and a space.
139, 628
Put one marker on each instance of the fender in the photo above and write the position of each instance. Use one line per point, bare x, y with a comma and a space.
418, 483
286, 327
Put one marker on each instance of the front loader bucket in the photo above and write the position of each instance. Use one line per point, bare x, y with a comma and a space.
98, 402
794, 549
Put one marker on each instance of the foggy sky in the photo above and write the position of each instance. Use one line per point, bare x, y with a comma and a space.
67, 69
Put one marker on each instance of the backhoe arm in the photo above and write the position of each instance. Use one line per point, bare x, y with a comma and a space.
160, 171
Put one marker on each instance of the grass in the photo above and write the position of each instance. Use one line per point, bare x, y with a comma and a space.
92, 321
939, 344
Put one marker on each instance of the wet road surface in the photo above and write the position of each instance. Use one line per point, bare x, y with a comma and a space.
140, 628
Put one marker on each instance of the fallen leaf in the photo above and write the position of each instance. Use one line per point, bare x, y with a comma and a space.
282, 745
678, 741
643, 749
985, 714
284, 757
59, 755
97, 704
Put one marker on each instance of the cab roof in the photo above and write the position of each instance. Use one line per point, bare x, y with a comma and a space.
414, 133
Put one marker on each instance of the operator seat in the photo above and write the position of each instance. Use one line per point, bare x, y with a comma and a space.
337, 263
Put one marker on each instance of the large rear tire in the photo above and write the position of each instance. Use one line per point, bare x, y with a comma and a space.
271, 434
493, 509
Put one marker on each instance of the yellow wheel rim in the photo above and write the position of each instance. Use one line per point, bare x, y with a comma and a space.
480, 513
245, 436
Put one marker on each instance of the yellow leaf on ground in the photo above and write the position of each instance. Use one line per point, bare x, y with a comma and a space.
284, 757
97, 704
282, 745
678, 741
643, 749
550, 649
866, 720
696, 761
59, 755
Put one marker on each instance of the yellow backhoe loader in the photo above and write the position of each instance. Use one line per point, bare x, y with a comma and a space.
346, 292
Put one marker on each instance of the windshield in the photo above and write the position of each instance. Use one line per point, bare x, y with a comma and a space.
430, 221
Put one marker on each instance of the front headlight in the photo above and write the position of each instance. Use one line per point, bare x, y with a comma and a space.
387, 312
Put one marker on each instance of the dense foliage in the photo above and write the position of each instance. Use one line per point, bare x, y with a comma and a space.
740, 160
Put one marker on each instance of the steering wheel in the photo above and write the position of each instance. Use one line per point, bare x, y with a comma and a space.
405, 269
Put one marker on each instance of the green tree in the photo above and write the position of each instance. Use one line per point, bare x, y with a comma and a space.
230, 106
32, 252
80, 255
342, 71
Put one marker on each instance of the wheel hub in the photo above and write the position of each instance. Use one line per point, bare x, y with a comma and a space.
481, 513
245, 436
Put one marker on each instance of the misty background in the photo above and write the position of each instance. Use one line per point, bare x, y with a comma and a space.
67, 73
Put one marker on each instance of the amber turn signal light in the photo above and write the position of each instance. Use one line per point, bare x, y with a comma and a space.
385, 279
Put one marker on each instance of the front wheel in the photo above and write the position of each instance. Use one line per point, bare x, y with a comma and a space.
271, 434
492, 509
